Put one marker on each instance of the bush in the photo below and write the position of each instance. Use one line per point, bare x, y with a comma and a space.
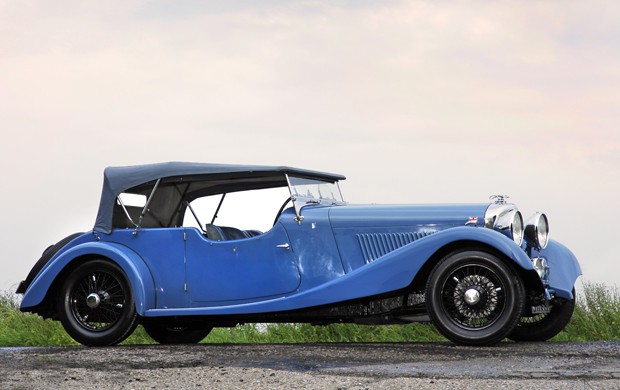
596, 316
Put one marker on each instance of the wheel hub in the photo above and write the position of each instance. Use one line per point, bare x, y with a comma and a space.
471, 296
475, 297
93, 300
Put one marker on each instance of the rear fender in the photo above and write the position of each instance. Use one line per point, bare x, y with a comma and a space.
137, 272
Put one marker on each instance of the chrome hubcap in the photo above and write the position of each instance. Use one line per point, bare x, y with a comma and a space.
93, 300
472, 296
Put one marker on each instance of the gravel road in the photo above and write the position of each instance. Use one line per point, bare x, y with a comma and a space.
316, 366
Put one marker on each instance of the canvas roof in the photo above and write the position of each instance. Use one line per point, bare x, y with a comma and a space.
117, 180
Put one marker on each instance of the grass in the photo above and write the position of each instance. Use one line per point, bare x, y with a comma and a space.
596, 317
306, 333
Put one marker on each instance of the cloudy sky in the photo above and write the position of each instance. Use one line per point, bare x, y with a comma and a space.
414, 101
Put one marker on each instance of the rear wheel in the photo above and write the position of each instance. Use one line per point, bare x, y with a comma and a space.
543, 326
474, 298
96, 305
174, 334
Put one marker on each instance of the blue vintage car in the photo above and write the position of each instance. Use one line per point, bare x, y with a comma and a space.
155, 258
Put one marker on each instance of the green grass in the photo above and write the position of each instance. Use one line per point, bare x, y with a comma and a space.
306, 333
596, 317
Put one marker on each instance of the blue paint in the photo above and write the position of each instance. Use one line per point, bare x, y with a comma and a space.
138, 274
337, 253
222, 271
564, 268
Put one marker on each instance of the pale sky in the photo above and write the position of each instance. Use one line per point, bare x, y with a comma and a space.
414, 101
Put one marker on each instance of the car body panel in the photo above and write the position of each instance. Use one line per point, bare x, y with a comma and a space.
394, 271
367, 232
314, 246
564, 268
163, 252
137, 272
219, 272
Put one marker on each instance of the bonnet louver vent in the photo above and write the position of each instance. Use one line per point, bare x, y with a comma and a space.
375, 245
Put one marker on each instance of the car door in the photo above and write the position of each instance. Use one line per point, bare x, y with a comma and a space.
228, 272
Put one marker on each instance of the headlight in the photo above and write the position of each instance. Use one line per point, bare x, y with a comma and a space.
537, 231
511, 224
504, 218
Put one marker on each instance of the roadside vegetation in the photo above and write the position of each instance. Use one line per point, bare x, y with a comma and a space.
596, 317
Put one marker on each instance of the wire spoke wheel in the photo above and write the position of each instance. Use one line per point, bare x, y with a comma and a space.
474, 298
97, 301
96, 305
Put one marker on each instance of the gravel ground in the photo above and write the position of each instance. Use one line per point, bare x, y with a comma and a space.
316, 366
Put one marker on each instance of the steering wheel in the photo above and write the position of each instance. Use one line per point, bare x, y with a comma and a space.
281, 210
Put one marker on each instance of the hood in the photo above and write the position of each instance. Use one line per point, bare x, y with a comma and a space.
438, 215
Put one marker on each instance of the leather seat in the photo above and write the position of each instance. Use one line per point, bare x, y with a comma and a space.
226, 233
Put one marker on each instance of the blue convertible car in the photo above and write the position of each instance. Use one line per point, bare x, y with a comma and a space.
157, 257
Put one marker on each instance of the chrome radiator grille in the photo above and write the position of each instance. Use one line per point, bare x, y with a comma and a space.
375, 245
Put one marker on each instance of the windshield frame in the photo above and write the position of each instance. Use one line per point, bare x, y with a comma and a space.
311, 198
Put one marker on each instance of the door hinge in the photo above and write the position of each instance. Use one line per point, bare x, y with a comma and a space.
185, 287
184, 236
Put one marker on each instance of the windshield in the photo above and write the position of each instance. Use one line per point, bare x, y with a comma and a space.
313, 190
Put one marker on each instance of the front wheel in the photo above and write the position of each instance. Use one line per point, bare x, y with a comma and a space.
174, 334
96, 305
543, 326
474, 298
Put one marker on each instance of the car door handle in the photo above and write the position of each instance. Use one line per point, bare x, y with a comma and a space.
284, 246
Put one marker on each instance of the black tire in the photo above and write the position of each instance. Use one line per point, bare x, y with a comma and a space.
95, 304
174, 334
474, 298
541, 327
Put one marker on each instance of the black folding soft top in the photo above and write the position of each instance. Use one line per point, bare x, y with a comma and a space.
117, 180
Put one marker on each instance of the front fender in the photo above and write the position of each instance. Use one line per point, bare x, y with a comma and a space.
431, 244
135, 268
564, 268
397, 269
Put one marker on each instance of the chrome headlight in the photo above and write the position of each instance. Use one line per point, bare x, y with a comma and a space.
510, 223
516, 227
537, 231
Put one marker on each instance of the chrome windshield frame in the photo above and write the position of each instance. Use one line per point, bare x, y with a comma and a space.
300, 201
297, 208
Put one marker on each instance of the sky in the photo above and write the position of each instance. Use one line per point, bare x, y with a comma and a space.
414, 101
